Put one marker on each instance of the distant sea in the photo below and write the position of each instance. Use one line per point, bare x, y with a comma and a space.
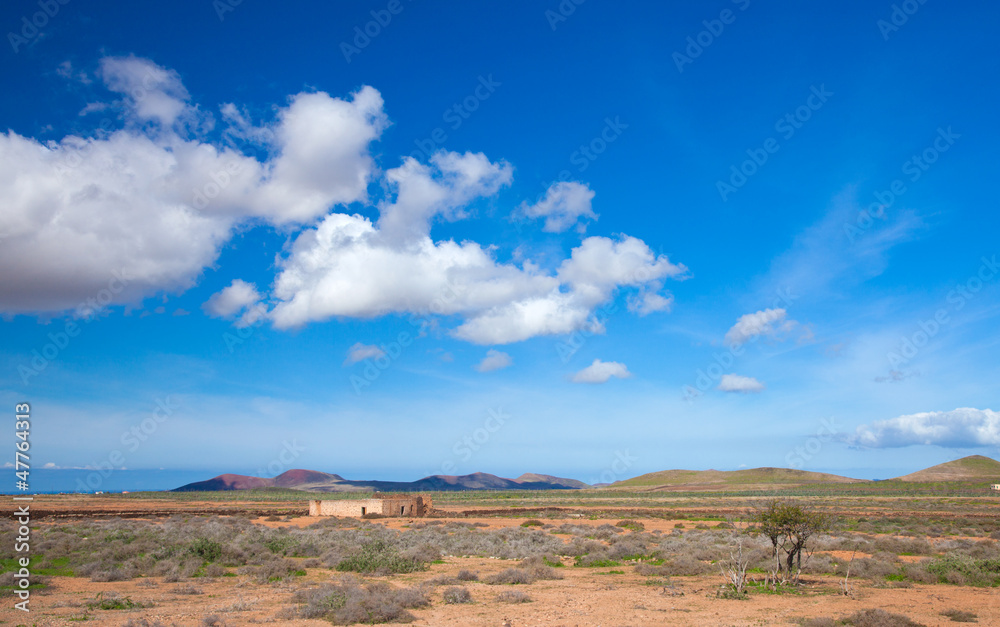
42, 481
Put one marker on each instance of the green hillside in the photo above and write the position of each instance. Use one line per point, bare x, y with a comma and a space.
731, 478
972, 468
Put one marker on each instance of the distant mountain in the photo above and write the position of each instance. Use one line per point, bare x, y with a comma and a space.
314, 481
750, 478
972, 468
531, 477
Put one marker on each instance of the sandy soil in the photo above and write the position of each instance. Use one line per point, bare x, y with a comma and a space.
613, 597
585, 597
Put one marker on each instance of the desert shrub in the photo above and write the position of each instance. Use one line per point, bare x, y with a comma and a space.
424, 552
651, 570
114, 601
685, 565
187, 589
544, 572
143, 622
348, 603
467, 575
960, 616
532, 523
875, 567
379, 557
208, 550
581, 546
901, 546
214, 570
878, 618
513, 596
455, 595
213, 620
818, 622
961, 569
632, 525
510, 576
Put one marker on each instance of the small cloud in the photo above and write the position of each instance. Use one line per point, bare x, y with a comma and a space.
601, 372
181, 312
965, 427
739, 383
50, 465
753, 325
230, 301
494, 360
447, 357
160, 310
360, 352
564, 203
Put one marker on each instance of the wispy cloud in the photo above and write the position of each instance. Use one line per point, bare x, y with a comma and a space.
764, 322
739, 383
360, 352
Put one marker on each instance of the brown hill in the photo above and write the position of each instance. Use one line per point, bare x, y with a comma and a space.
972, 468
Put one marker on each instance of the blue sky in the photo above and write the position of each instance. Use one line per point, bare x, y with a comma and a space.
591, 240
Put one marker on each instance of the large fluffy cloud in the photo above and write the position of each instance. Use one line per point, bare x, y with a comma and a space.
146, 207
965, 427
348, 266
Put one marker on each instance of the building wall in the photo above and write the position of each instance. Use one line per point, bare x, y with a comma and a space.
395, 507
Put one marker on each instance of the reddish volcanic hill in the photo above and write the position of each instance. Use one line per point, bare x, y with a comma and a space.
231, 482
297, 477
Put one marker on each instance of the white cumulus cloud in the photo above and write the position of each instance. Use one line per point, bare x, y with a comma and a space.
360, 352
494, 360
564, 204
739, 383
965, 427
601, 372
238, 296
764, 322
145, 208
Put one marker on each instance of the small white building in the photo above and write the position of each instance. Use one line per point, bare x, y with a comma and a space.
995, 486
